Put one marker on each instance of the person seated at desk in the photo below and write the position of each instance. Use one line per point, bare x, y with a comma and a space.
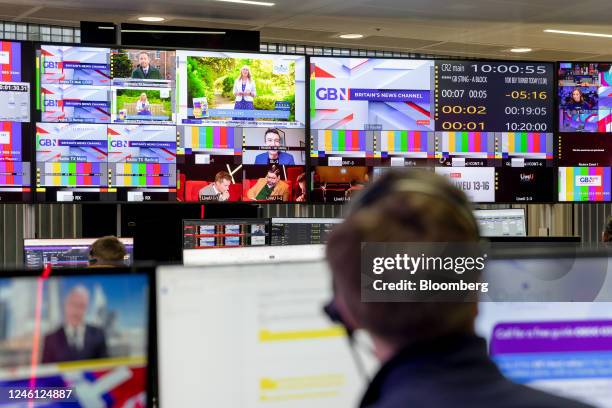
75, 340
107, 252
269, 188
143, 107
218, 190
430, 353
274, 156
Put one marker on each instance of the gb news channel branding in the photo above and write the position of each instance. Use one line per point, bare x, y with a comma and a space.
470, 272
588, 181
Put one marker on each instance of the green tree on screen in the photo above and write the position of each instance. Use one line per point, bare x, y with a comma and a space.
122, 66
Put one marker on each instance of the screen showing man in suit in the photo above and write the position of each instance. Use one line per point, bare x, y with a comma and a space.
219, 189
74, 339
87, 331
144, 70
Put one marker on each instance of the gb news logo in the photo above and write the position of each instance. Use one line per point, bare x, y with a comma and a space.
588, 181
332, 94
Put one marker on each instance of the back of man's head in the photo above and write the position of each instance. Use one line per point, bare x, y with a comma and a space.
414, 206
107, 251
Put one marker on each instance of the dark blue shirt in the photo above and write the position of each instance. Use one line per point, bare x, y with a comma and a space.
452, 372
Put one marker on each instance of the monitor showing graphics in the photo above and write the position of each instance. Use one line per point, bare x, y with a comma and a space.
71, 162
65, 253
585, 99
15, 127
14, 82
85, 334
74, 84
501, 223
238, 89
584, 184
301, 231
489, 119
198, 234
272, 342
142, 162
561, 348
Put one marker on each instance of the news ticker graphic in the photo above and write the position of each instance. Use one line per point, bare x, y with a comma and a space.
471, 272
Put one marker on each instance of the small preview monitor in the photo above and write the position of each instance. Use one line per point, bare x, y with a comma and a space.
501, 223
301, 231
203, 234
64, 253
84, 334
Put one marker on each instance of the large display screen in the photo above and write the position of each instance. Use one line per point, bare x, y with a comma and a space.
241, 127
15, 128
85, 336
236, 89
484, 121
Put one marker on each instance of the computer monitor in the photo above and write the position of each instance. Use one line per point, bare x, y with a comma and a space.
496, 223
556, 345
246, 335
105, 314
301, 231
225, 233
247, 255
64, 253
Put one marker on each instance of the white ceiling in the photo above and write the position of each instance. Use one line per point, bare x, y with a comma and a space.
482, 28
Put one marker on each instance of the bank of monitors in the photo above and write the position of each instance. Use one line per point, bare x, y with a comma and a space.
301, 231
84, 335
226, 233
501, 223
242, 120
64, 253
15, 129
106, 129
585, 124
483, 124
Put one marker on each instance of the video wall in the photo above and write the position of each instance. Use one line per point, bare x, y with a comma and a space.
89, 124
483, 124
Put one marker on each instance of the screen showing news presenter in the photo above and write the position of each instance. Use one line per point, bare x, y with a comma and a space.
86, 335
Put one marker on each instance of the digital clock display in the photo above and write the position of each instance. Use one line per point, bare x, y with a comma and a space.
494, 96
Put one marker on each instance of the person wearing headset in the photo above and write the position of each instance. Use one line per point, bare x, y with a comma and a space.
107, 252
430, 354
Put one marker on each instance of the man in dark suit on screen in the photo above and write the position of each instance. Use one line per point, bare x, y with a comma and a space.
144, 70
75, 340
